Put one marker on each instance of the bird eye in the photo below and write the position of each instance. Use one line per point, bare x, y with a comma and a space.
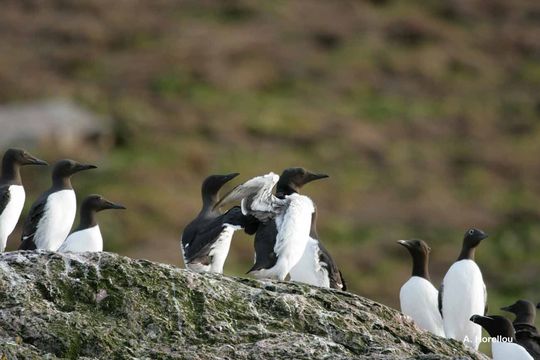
471, 232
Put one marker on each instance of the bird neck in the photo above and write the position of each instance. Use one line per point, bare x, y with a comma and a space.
467, 253
62, 182
526, 318
209, 201
420, 266
11, 172
283, 190
88, 219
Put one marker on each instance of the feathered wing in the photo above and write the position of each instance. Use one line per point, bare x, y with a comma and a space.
336, 279
4, 197
265, 241
440, 297
31, 223
256, 197
197, 242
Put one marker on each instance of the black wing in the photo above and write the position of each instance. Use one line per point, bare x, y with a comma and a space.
486, 307
336, 279
441, 288
530, 340
4, 197
198, 238
31, 223
265, 240
344, 288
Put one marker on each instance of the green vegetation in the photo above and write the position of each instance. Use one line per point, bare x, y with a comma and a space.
424, 113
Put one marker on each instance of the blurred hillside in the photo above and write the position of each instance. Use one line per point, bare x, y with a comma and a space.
425, 114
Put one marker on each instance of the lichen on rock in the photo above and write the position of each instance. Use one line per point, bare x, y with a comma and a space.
106, 306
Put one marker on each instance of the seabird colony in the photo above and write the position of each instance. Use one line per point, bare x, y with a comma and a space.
286, 246
51, 216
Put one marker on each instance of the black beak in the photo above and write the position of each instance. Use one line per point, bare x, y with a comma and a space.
32, 160
110, 205
312, 177
507, 308
229, 177
480, 320
538, 306
82, 167
405, 243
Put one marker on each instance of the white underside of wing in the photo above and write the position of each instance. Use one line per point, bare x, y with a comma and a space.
83, 240
309, 269
509, 351
54, 226
463, 296
12, 212
293, 225
419, 300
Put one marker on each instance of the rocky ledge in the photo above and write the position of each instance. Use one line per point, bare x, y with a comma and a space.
106, 306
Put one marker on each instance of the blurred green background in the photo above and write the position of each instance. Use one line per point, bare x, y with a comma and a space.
425, 114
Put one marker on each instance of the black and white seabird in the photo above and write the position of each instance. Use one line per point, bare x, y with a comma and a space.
206, 240
290, 182
290, 214
526, 332
463, 293
418, 297
87, 236
503, 345
51, 216
12, 193
316, 266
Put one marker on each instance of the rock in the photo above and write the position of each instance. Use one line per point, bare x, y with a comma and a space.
106, 306
59, 122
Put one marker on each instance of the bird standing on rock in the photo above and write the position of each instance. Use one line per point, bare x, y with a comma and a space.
277, 254
206, 240
12, 194
51, 216
463, 293
87, 237
418, 297
316, 266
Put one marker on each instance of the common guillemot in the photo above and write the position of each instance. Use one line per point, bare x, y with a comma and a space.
206, 240
316, 266
463, 293
526, 332
12, 194
87, 236
503, 346
418, 297
290, 182
291, 215
51, 216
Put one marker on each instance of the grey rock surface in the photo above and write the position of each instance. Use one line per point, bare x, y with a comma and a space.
106, 306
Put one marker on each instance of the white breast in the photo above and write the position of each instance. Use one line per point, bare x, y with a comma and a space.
12, 212
293, 227
419, 300
463, 296
54, 226
220, 249
509, 351
308, 269
83, 240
